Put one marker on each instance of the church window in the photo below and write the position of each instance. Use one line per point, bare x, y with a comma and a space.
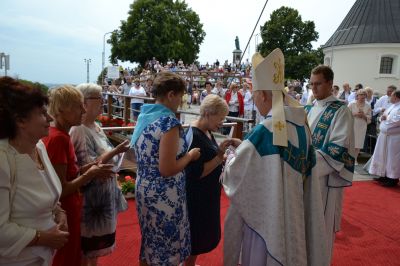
386, 65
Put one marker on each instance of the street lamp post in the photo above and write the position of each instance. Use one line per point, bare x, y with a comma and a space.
87, 61
1, 60
103, 55
256, 42
6, 62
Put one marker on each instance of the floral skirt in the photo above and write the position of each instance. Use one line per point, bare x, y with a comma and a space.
163, 220
101, 201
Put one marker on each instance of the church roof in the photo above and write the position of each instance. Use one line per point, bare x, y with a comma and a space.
369, 21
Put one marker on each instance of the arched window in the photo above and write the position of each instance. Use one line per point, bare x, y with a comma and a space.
386, 66
327, 61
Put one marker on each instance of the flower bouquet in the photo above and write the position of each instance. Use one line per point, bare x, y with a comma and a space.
110, 122
128, 187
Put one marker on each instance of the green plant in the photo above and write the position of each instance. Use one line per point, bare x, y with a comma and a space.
128, 185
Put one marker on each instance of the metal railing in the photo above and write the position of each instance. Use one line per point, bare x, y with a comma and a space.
236, 122
125, 107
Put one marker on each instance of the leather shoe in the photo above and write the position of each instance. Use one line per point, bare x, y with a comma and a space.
390, 182
381, 179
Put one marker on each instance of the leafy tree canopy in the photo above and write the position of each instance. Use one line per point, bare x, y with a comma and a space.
165, 29
41, 86
287, 31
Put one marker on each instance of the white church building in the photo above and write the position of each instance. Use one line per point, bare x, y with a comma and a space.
366, 46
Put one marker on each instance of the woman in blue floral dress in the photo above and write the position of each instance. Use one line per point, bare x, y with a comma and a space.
161, 154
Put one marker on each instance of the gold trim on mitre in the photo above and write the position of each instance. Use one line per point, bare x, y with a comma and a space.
269, 74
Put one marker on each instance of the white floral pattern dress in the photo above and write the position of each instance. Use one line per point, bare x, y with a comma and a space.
161, 201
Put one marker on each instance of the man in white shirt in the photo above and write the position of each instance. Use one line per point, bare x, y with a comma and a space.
384, 102
126, 88
346, 92
136, 103
385, 160
352, 96
219, 90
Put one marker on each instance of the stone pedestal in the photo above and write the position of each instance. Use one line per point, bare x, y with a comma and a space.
236, 56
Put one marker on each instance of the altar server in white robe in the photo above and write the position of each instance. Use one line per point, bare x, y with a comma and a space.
386, 157
276, 214
384, 102
331, 124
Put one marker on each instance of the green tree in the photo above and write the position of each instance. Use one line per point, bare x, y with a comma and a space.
41, 86
287, 31
165, 29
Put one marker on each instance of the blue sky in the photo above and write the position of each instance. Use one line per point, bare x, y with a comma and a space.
48, 40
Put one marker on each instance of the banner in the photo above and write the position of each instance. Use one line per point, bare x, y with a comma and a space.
113, 72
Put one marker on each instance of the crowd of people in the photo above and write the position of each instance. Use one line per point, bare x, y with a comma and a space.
154, 66
285, 179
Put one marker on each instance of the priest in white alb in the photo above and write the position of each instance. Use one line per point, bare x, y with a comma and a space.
385, 161
331, 124
384, 102
276, 213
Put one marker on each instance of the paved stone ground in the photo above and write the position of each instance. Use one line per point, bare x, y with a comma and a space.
359, 173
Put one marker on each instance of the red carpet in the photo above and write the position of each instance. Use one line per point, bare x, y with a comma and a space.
370, 226
370, 230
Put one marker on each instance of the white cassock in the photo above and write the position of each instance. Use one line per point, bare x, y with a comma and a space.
331, 124
276, 213
382, 103
386, 157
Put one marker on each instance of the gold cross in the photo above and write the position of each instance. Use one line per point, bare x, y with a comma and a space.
304, 164
279, 125
289, 152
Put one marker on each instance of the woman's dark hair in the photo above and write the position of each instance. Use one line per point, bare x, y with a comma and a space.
166, 82
17, 100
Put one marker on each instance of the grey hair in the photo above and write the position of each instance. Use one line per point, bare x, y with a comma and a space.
213, 105
89, 89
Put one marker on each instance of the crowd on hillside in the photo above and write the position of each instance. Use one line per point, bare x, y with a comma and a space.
154, 66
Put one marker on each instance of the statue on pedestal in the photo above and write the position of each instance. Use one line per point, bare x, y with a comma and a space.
237, 43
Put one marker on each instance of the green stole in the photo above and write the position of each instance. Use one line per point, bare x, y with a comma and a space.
335, 151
